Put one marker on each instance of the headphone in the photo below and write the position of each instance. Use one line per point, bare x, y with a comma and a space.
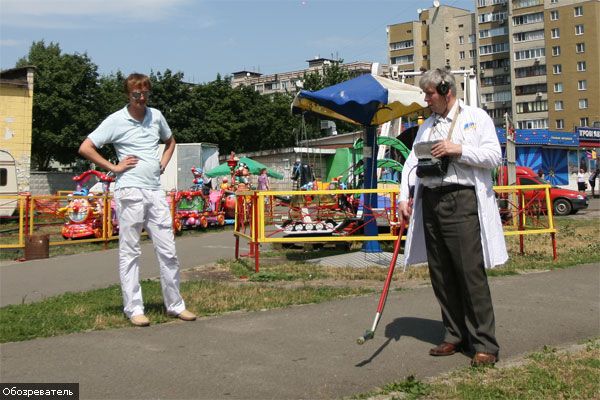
443, 88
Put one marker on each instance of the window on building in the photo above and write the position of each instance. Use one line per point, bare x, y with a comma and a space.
461, 40
407, 59
461, 55
406, 44
533, 124
558, 105
527, 36
556, 50
560, 124
582, 85
557, 69
472, 53
578, 11
447, 46
558, 87
553, 1
526, 3
494, 48
536, 88
555, 33
579, 29
584, 121
553, 15
581, 66
529, 54
583, 104
472, 38
580, 47
525, 19
532, 106
536, 70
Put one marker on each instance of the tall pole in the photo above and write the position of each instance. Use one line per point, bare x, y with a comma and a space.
370, 182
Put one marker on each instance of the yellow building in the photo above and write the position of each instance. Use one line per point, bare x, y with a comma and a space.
16, 109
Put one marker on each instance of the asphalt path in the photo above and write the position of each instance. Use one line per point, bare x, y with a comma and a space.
30, 281
303, 352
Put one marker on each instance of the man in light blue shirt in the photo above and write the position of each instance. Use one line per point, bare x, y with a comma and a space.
135, 132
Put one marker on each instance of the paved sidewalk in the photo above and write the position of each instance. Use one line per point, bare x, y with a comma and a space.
29, 281
303, 352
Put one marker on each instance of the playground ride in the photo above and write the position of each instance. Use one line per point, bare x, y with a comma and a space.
196, 209
321, 214
84, 212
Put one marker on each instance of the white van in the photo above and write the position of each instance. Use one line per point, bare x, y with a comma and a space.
8, 184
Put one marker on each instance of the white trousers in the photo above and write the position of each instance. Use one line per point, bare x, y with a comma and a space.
148, 209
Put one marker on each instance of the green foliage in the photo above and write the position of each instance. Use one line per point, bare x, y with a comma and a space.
65, 105
71, 99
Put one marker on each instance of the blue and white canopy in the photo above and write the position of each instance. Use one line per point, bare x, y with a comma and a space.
365, 100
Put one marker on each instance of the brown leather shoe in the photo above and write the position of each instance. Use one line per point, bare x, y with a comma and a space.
481, 359
444, 349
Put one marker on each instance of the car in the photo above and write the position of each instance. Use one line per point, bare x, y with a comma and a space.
564, 201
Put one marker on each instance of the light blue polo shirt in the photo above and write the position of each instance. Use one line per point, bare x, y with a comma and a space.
141, 139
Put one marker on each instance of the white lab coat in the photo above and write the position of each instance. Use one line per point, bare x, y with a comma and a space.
480, 150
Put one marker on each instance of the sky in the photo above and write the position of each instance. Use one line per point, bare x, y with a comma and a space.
203, 38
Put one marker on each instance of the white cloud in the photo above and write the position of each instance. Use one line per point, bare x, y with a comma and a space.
10, 43
65, 13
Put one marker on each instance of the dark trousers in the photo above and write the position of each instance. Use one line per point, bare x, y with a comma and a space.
456, 266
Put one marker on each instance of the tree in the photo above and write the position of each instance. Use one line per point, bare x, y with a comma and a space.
65, 103
333, 73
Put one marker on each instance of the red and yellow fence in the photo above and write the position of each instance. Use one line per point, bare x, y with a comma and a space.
266, 216
278, 217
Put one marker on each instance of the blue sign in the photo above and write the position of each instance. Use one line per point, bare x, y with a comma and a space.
563, 139
589, 135
541, 137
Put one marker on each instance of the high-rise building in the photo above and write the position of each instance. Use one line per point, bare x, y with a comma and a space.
494, 58
573, 63
537, 60
443, 36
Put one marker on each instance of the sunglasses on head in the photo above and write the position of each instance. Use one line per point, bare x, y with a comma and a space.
138, 95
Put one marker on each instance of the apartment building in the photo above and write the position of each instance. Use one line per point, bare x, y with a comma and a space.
443, 36
573, 63
291, 81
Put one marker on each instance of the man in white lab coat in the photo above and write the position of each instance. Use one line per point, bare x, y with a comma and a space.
455, 225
